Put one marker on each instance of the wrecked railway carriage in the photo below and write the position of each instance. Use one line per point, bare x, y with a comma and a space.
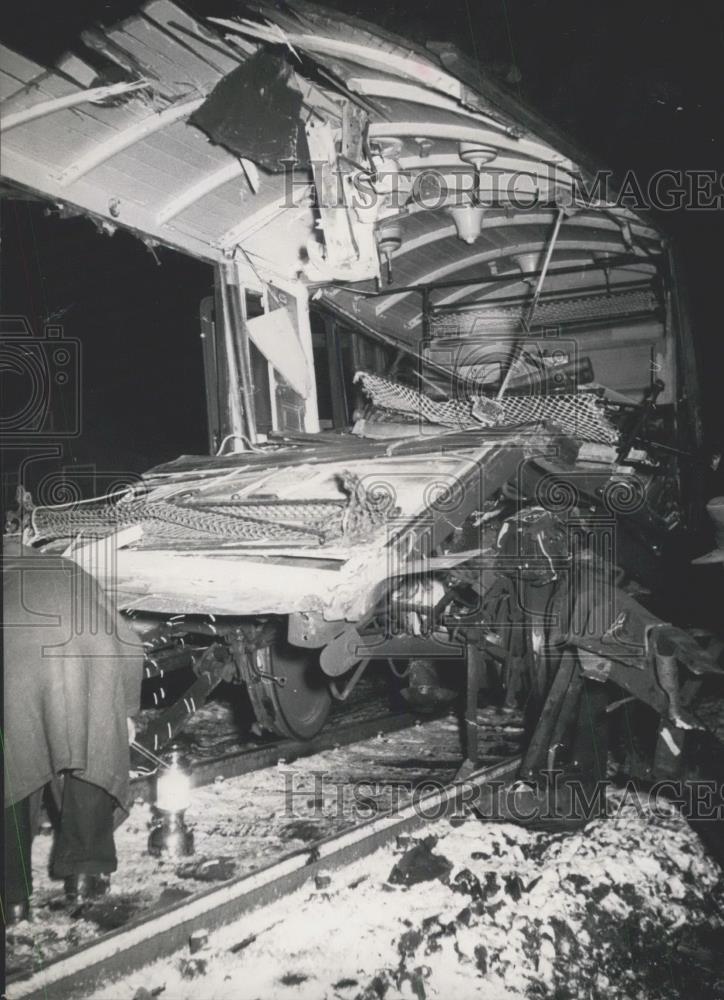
383, 221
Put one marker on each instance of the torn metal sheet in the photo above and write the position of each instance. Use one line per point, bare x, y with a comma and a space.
254, 112
301, 538
276, 337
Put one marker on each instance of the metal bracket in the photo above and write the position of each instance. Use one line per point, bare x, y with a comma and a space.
310, 631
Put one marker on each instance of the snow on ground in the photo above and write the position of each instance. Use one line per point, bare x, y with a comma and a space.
627, 908
244, 823
616, 910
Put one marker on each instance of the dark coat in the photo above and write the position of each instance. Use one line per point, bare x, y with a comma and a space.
73, 672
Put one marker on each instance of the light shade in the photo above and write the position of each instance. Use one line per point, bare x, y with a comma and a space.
476, 155
389, 238
468, 219
527, 261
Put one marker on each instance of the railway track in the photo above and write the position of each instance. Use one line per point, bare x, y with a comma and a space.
233, 764
376, 748
143, 941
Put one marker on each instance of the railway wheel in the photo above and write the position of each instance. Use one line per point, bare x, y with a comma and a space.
288, 691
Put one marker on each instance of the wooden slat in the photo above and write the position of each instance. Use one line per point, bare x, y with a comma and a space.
53, 143
199, 189
43, 87
29, 172
42, 108
15, 71
122, 140
156, 55
159, 50
186, 28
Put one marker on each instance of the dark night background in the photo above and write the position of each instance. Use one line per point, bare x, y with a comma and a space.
638, 84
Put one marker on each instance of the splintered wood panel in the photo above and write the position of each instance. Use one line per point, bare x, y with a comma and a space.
130, 112
189, 32
175, 59
160, 56
66, 136
42, 88
346, 68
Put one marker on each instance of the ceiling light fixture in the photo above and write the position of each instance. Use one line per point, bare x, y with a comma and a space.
468, 219
476, 155
389, 240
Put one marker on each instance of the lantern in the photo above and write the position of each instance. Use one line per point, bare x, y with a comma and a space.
169, 834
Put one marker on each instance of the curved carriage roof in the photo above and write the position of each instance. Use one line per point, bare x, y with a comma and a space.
130, 157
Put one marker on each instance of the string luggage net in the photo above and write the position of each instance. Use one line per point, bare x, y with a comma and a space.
578, 414
278, 522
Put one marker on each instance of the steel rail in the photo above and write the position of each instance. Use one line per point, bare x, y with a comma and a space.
144, 941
